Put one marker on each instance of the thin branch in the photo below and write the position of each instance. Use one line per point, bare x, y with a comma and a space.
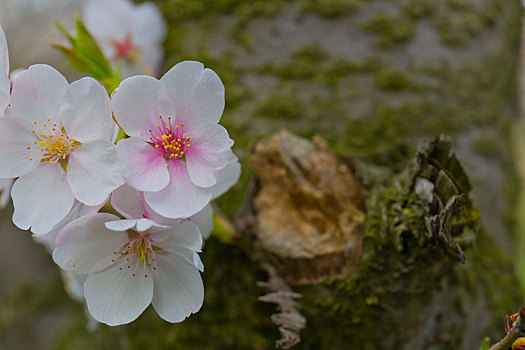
517, 330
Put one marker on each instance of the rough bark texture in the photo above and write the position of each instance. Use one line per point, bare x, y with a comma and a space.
375, 79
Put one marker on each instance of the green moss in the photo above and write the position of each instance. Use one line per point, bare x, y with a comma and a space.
390, 30
459, 30
331, 8
304, 63
418, 8
459, 5
281, 106
392, 79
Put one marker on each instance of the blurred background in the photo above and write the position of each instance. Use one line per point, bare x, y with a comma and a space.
375, 78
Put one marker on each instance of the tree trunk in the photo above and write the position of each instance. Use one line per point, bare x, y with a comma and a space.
371, 237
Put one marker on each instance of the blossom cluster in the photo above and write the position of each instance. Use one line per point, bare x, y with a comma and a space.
127, 215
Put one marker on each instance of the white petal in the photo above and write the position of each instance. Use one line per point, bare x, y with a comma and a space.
204, 221
116, 297
226, 178
181, 198
149, 25
14, 153
127, 202
94, 170
136, 107
41, 198
37, 93
187, 235
207, 154
147, 171
198, 262
78, 210
85, 112
178, 290
84, 242
4, 54
139, 225
196, 93
120, 225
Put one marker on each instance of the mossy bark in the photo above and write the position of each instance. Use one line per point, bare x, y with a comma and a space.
338, 69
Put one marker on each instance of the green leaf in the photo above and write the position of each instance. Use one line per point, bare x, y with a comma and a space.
85, 55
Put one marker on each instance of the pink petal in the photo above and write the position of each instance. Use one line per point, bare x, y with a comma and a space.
147, 171
136, 106
207, 154
196, 94
181, 198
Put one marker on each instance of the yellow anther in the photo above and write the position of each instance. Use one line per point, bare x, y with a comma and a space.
30, 158
48, 119
50, 162
44, 124
182, 124
35, 122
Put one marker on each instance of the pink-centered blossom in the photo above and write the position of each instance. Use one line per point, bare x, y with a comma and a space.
130, 35
131, 263
178, 154
56, 137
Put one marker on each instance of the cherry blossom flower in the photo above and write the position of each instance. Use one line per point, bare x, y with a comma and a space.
132, 263
178, 154
56, 137
129, 35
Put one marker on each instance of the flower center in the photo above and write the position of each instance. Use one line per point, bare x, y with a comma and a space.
138, 252
55, 145
170, 141
124, 49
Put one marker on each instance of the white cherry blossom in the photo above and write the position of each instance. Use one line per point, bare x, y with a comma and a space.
130, 35
132, 263
56, 137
